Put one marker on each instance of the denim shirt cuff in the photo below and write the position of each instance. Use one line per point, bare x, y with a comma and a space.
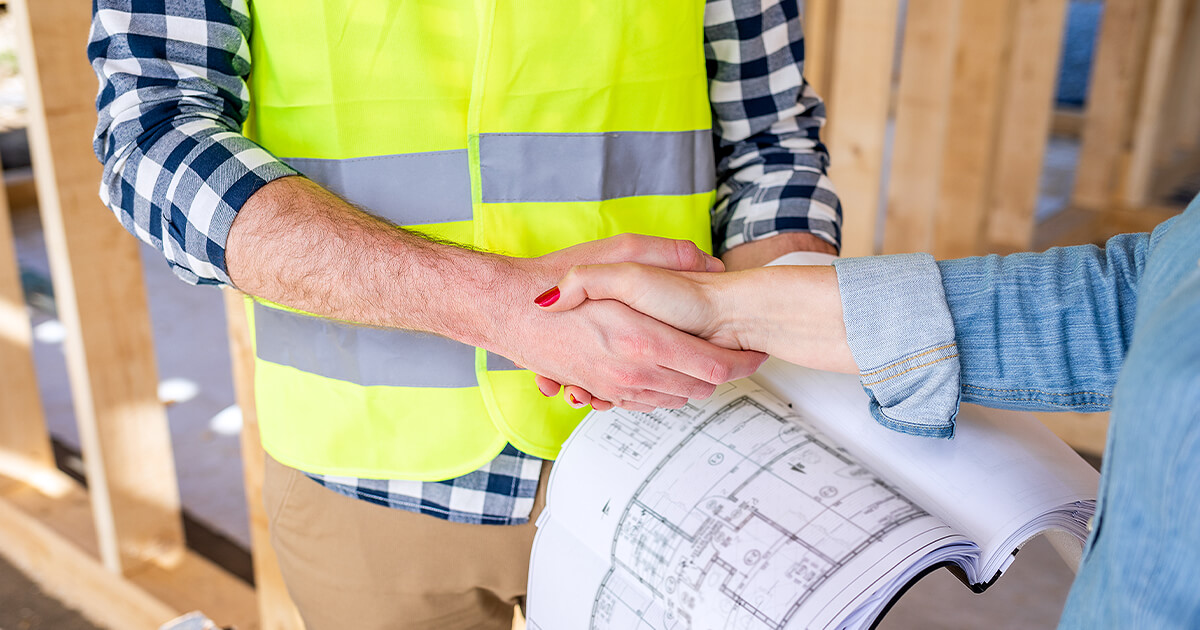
902, 336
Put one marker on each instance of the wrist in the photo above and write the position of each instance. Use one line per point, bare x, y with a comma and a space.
503, 306
739, 299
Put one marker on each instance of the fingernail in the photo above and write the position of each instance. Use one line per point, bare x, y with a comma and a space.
547, 298
573, 401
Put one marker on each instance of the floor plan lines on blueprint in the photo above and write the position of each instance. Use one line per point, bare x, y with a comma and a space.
705, 536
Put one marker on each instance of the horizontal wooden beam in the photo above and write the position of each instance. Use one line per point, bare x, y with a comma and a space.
1079, 226
48, 533
1084, 432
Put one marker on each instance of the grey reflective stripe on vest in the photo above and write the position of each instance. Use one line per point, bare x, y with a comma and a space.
364, 355
546, 167
435, 187
406, 189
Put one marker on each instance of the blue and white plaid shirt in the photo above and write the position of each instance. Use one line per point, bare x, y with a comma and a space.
177, 168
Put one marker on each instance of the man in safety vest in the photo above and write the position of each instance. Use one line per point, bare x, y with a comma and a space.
393, 183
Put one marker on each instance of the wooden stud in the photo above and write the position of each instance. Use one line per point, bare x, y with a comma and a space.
1156, 83
1174, 110
275, 607
22, 420
862, 84
922, 112
972, 134
1078, 226
1028, 103
1187, 135
820, 19
101, 299
1112, 101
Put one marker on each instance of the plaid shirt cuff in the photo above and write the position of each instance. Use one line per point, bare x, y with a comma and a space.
182, 194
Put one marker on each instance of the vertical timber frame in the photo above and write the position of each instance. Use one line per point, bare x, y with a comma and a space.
24, 442
1156, 86
931, 34
275, 608
972, 136
1112, 102
101, 299
861, 75
1024, 126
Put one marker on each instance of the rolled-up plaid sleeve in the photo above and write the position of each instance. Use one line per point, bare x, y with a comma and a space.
771, 164
171, 103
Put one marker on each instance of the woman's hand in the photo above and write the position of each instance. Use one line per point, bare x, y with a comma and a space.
793, 312
680, 299
687, 301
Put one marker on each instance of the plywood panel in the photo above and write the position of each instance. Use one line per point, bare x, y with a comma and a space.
858, 112
101, 298
923, 109
1026, 111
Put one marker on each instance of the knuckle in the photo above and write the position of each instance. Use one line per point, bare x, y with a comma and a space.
687, 253
719, 372
572, 275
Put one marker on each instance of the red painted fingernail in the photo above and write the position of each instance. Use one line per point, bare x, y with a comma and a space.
547, 298
573, 401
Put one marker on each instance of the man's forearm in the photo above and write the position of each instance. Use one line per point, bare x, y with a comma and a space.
299, 245
296, 244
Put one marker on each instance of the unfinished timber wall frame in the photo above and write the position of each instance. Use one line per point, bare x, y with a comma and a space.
116, 550
959, 91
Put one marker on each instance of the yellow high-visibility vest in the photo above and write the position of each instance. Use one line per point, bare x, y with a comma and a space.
514, 126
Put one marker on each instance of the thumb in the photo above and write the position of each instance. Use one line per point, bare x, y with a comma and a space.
593, 282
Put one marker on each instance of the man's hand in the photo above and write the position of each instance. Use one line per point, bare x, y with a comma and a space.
606, 347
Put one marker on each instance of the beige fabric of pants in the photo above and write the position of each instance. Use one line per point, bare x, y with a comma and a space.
350, 564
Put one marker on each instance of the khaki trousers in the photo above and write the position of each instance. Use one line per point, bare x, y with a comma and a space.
354, 565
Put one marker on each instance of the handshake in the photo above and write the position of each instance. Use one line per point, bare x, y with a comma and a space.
640, 322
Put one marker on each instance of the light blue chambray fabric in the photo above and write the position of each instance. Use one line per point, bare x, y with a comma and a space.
902, 338
1078, 328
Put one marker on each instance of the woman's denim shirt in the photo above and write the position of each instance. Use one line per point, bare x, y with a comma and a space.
1071, 329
